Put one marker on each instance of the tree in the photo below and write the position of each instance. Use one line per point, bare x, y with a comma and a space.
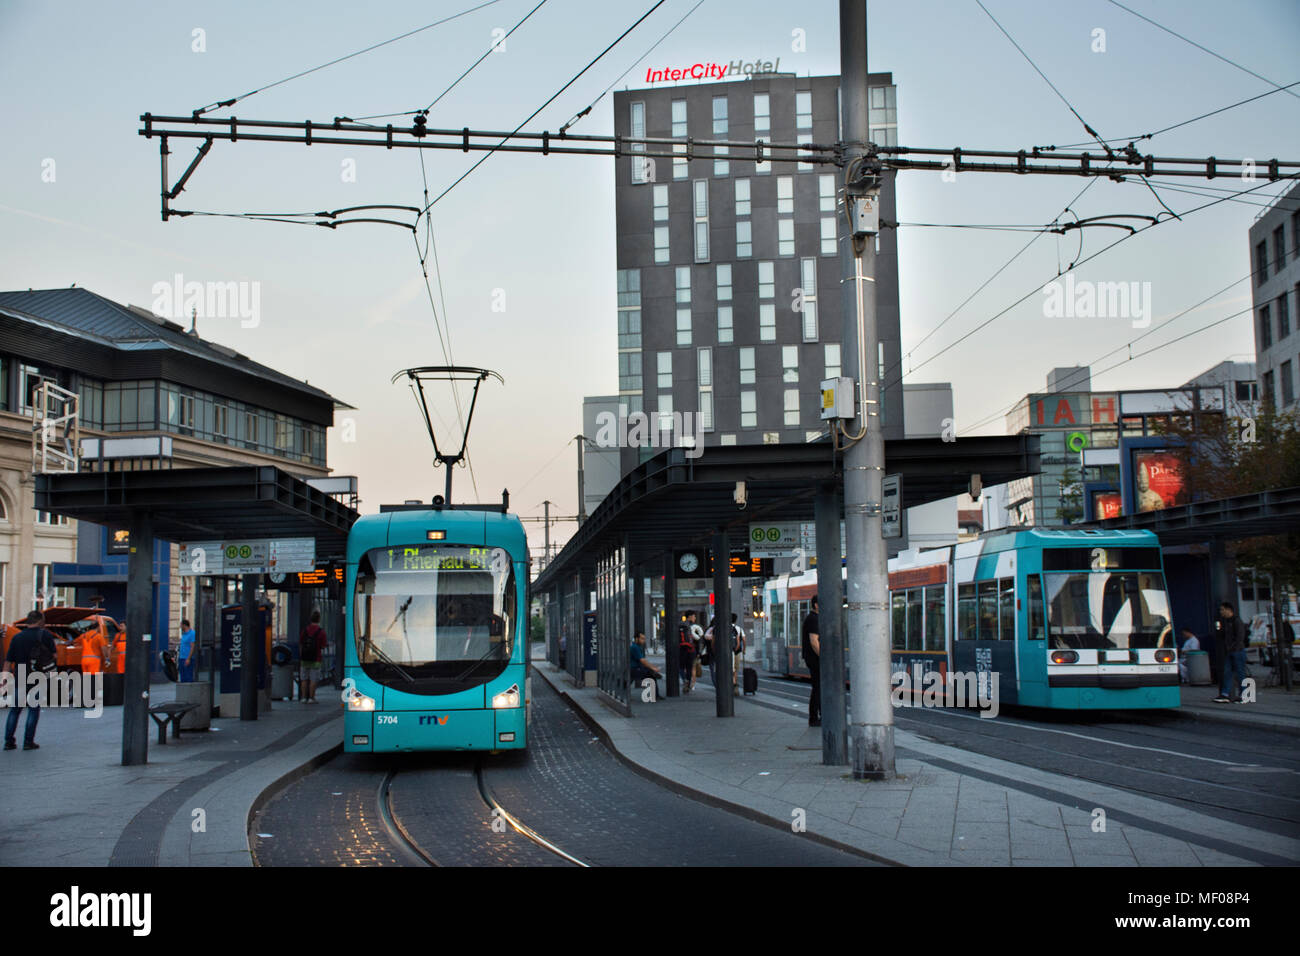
1071, 496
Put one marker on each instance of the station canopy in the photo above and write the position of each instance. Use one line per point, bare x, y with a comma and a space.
674, 500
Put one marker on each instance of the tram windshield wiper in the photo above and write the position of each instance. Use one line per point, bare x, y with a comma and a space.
374, 649
472, 667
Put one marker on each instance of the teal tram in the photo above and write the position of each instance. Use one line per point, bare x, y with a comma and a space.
437, 649
1062, 619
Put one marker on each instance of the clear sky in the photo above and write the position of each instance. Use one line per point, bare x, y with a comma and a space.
345, 309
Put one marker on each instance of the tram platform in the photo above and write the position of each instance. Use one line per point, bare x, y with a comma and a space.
72, 803
947, 807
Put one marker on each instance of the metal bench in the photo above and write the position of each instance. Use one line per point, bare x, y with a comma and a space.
171, 712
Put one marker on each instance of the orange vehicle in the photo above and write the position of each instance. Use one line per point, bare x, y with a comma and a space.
72, 626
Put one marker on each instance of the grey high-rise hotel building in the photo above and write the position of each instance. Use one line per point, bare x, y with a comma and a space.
729, 300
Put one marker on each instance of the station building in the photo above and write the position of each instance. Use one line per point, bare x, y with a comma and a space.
151, 396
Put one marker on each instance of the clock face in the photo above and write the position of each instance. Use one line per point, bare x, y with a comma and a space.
689, 561
277, 577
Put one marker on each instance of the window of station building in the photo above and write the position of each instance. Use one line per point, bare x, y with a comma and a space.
252, 429
679, 117
790, 364
766, 280
130, 406
683, 326
808, 283
767, 322
45, 593
283, 433
661, 243
306, 442
724, 282
803, 109
832, 356
660, 203
785, 195
1288, 384
701, 221
762, 113
1283, 318
704, 367
826, 192
749, 409
746, 356
664, 367
1265, 328
683, 274
791, 408
629, 371
785, 237
47, 518
639, 169
1261, 262
828, 236
4, 388
742, 197
4, 581
725, 331
90, 407
744, 240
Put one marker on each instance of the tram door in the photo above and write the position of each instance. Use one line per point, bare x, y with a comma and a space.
984, 644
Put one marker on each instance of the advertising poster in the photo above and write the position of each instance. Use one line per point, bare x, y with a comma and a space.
1158, 480
1106, 504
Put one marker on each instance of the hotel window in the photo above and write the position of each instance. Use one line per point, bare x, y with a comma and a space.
661, 243
1270, 393
629, 371
683, 285
747, 366
826, 192
828, 236
1265, 328
680, 164
771, 438
744, 240
683, 326
1283, 318
720, 129
679, 118
661, 203
1261, 262
767, 322
742, 197
766, 282
705, 368
727, 439
804, 139
785, 237
792, 408
724, 283
785, 195
763, 167
724, 324
803, 110
748, 409
666, 412
720, 164
882, 116
832, 350
629, 308
639, 169
1288, 387
701, 220
762, 113
808, 269
790, 364
665, 370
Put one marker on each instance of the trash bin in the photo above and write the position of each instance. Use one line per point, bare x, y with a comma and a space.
1198, 668
195, 692
281, 672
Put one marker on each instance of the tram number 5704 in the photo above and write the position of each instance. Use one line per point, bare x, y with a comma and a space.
386, 718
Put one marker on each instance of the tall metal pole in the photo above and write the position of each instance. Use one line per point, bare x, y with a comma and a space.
582, 483
871, 718
546, 523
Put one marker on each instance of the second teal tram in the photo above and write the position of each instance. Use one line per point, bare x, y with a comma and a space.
436, 655
1066, 619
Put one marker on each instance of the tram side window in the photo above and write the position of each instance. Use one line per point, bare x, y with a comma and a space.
934, 608
914, 619
967, 612
1037, 618
1007, 608
897, 620
988, 610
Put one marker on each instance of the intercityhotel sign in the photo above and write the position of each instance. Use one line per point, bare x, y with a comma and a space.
711, 71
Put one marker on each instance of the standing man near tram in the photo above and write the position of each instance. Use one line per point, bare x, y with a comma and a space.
812, 650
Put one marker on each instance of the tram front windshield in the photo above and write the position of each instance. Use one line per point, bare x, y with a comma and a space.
1104, 610
442, 611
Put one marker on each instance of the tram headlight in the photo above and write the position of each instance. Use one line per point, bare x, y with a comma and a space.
1064, 657
359, 701
507, 698
1165, 656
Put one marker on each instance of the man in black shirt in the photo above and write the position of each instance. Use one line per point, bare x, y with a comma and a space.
812, 657
23, 650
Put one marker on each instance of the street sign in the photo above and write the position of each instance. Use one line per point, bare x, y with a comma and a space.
776, 539
252, 556
891, 506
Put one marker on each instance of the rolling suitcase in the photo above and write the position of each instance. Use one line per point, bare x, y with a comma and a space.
751, 681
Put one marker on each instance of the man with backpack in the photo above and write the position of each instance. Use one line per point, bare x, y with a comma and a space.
34, 648
310, 644
686, 652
